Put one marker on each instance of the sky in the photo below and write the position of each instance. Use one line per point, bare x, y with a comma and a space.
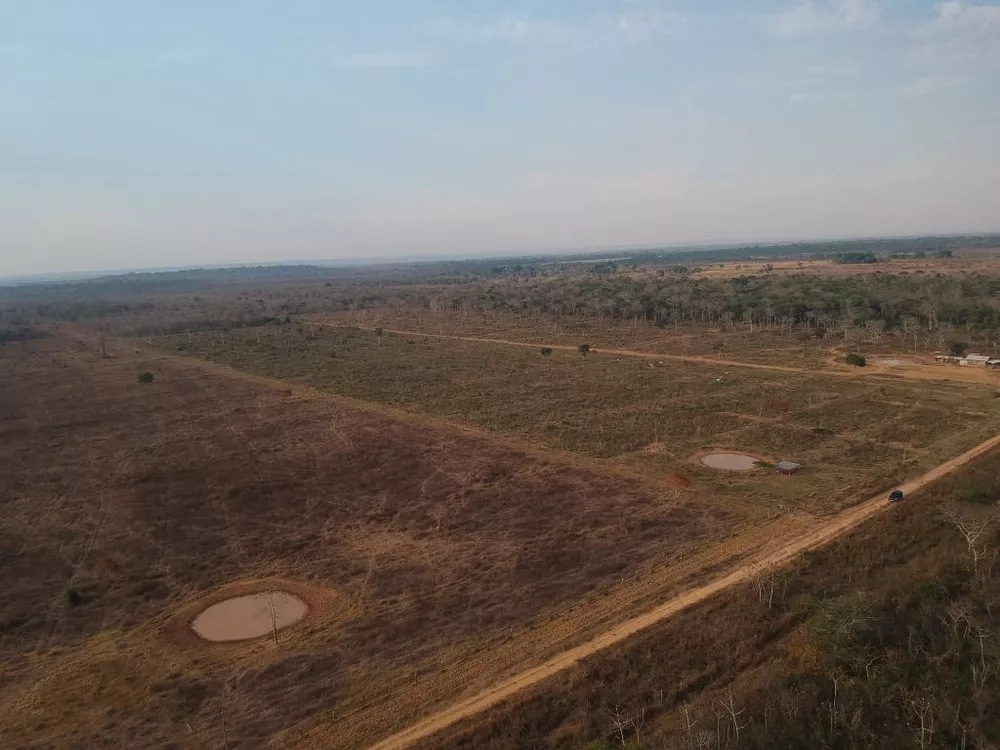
136, 133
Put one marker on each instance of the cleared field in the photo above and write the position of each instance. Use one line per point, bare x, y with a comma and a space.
768, 346
648, 416
127, 508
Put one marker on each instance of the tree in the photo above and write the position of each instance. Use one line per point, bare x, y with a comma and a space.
546, 351
584, 349
957, 348
146, 377
972, 528
855, 359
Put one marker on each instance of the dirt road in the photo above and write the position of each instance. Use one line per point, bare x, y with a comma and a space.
910, 372
819, 535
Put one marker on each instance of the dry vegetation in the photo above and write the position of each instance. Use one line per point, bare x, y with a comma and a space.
650, 416
457, 511
886, 638
141, 496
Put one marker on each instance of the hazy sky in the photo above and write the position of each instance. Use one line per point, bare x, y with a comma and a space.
140, 133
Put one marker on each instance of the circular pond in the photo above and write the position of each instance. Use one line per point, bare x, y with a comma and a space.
730, 461
251, 616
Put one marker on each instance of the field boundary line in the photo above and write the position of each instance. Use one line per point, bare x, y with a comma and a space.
865, 372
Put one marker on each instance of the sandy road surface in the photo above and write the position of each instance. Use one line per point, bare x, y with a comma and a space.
815, 537
911, 372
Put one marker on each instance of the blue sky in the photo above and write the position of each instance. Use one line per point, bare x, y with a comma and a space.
136, 133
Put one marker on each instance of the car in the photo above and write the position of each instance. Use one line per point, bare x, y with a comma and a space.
895, 496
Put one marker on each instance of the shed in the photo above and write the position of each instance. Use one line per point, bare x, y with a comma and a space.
787, 467
975, 360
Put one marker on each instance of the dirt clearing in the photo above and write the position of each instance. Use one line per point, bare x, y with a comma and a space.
250, 616
730, 461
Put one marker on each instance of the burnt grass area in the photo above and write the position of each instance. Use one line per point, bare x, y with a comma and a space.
887, 638
139, 496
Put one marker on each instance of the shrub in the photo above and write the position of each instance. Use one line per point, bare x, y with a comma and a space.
957, 348
546, 351
977, 496
73, 597
855, 359
584, 349
146, 377
841, 623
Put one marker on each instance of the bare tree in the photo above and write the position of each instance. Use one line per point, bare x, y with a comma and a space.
767, 583
637, 721
274, 617
690, 724
972, 528
621, 722
729, 707
920, 709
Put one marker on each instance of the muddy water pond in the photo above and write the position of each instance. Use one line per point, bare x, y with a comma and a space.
251, 616
730, 461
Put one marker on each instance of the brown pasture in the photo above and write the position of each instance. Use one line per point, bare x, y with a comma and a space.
436, 543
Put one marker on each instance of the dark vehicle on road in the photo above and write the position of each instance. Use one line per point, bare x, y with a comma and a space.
895, 496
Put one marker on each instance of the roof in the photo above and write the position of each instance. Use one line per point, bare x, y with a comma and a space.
787, 466
977, 358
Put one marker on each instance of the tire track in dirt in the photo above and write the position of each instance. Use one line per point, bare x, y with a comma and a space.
817, 536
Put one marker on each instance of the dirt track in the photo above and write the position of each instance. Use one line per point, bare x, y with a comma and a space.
910, 372
816, 536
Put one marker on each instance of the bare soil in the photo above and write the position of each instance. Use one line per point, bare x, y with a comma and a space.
249, 616
730, 461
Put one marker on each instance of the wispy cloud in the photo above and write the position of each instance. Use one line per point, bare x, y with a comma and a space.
963, 37
510, 29
930, 85
809, 77
808, 16
384, 59
635, 23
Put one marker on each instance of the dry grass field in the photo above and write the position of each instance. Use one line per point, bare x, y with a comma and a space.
453, 511
854, 435
761, 645
431, 543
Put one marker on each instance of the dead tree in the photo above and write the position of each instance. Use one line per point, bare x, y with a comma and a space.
274, 618
690, 724
972, 529
621, 722
729, 707
767, 583
920, 708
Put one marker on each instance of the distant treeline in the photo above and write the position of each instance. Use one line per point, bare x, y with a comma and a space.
894, 300
463, 271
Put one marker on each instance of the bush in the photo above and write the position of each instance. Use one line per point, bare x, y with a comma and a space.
977, 496
73, 597
146, 377
584, 349
546, 351
957, 348
855, 359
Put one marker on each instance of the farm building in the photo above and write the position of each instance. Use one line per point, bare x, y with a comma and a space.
974, 360
969, 360
788, 467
